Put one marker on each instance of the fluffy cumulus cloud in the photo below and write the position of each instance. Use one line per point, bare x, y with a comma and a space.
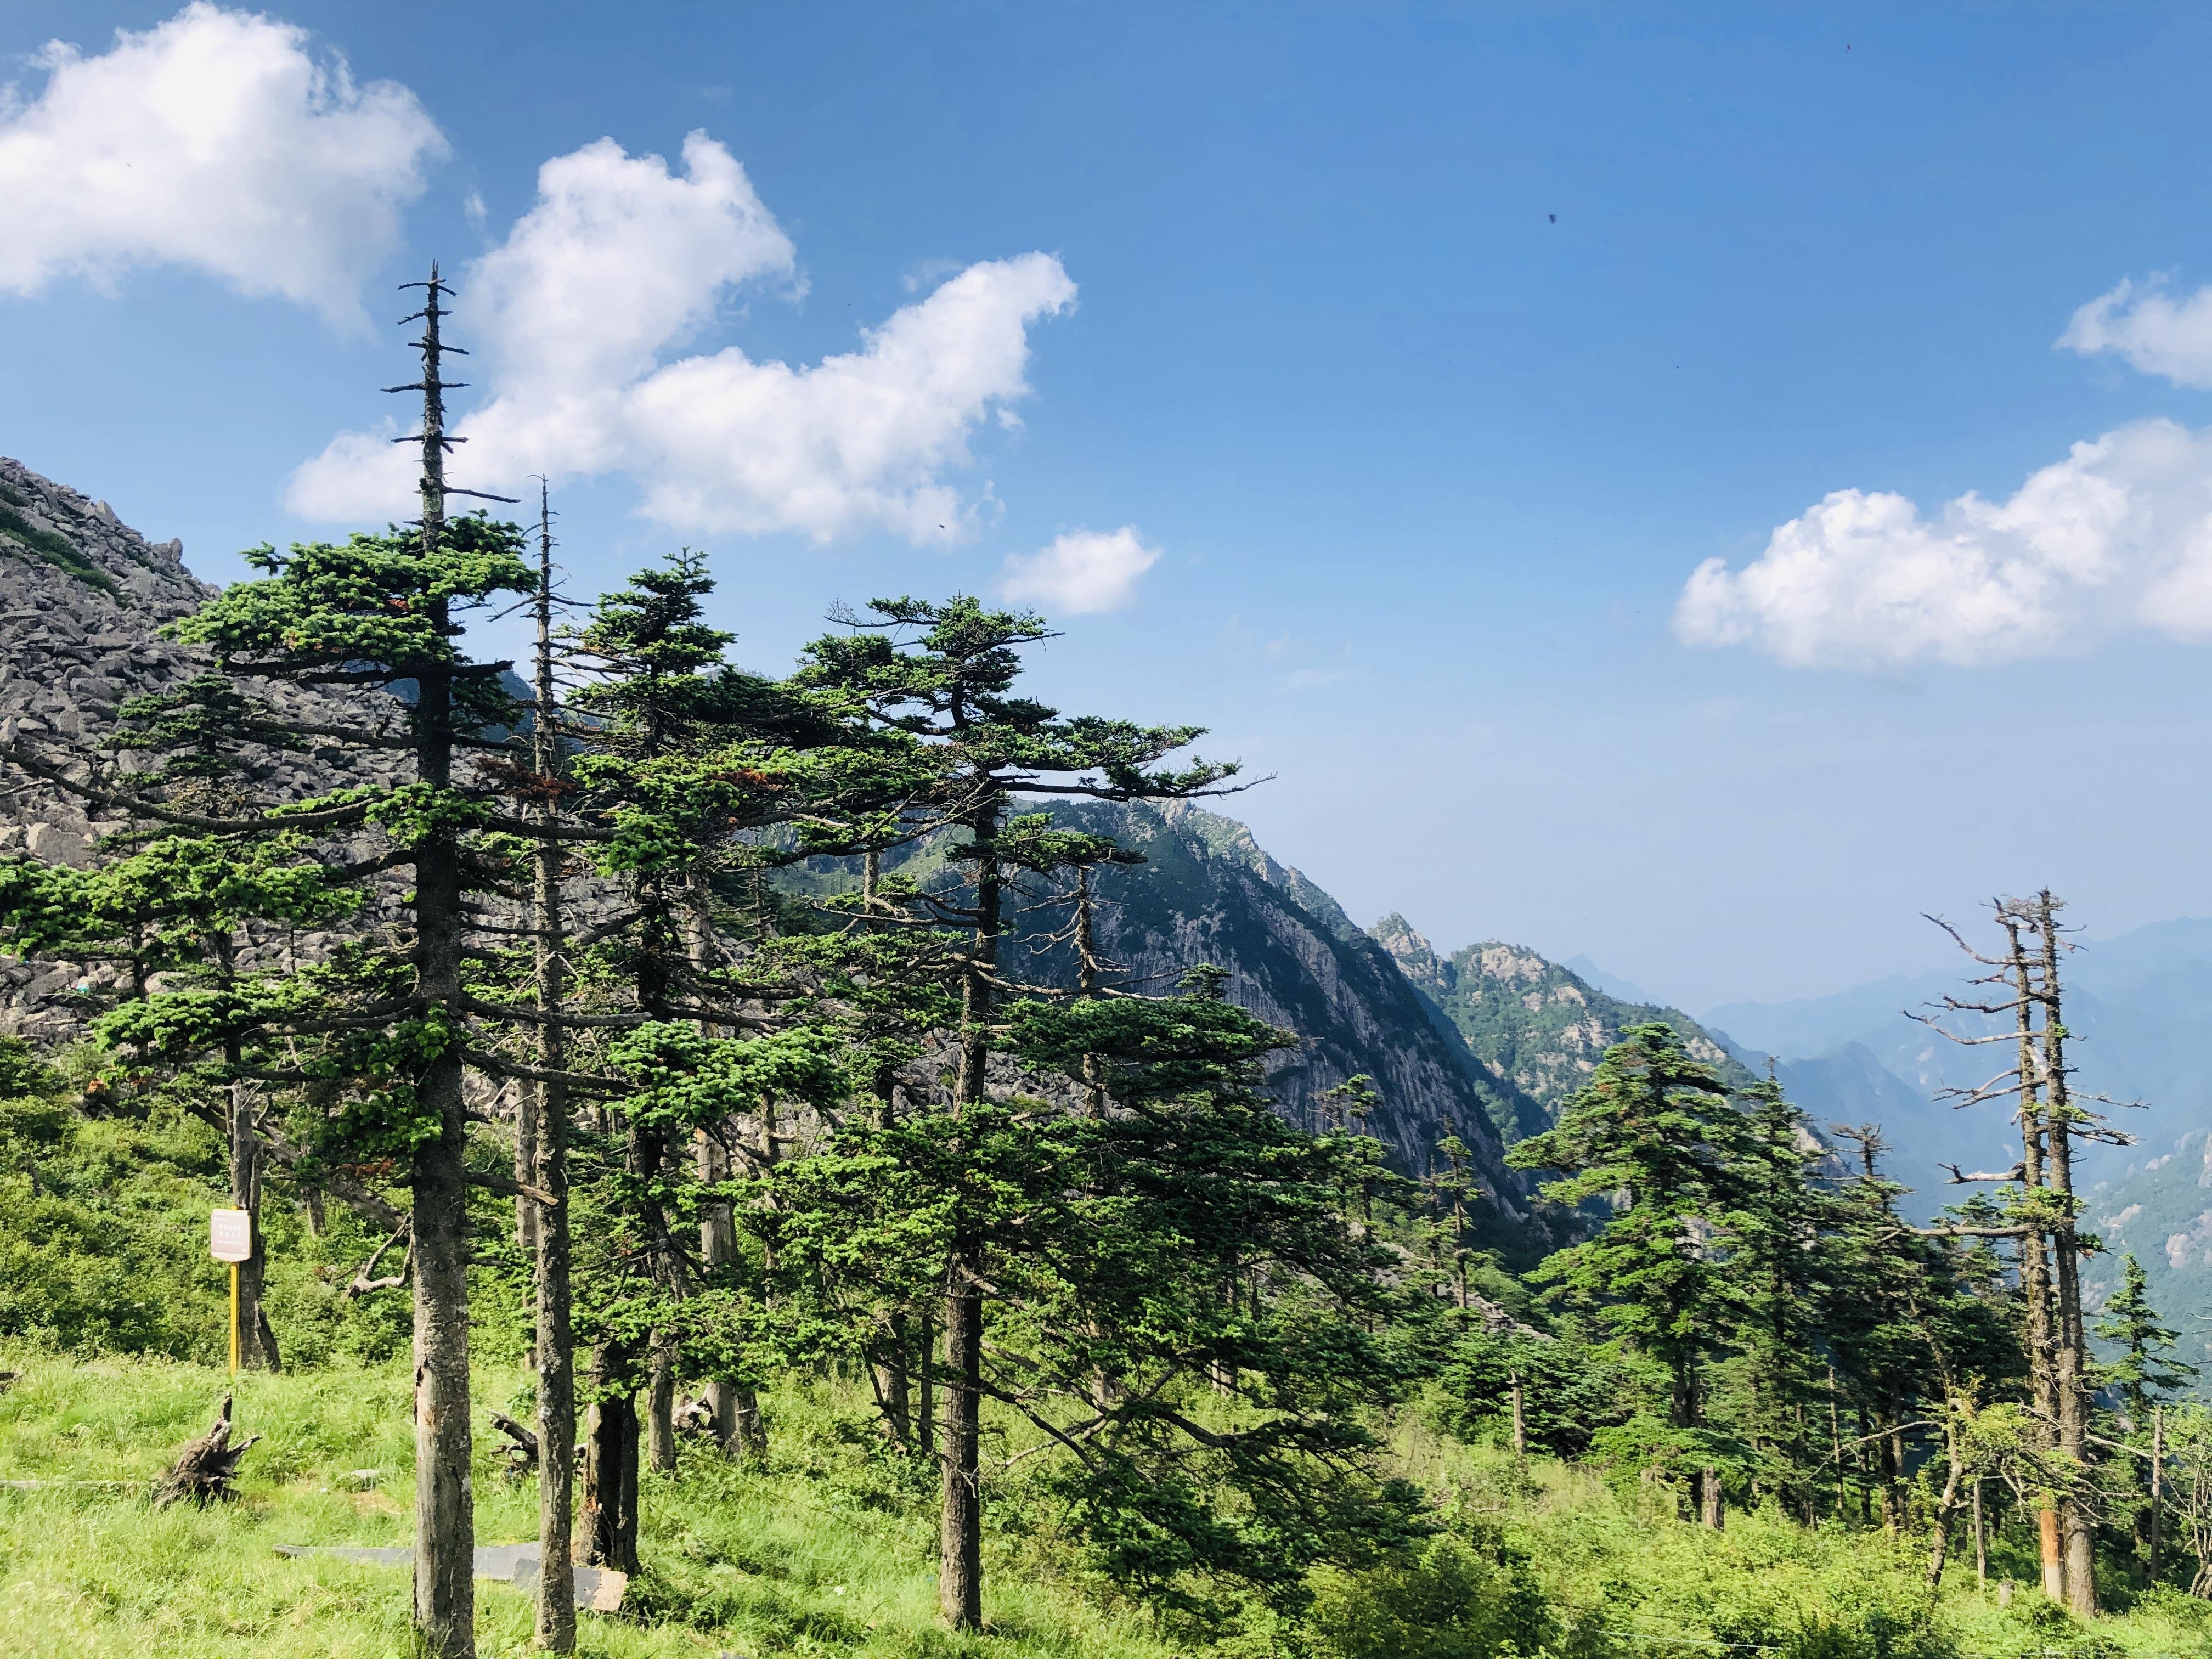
1081, 572
2151, 329
579, 316
2115, 539
217, 141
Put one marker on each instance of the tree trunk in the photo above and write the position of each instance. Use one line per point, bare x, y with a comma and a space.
660, 1416
925, 1367
2071, 1378
609, 1510
1939, 1545
960, 1555
960, 1531
444, 1520
718, 1243
257, 1340
525, 1165
1711, 1506
548, 1136
2157, 1480
748, 1428
2054, 1558
1981, 1541
1520, 1419
893, 1393
556, 1380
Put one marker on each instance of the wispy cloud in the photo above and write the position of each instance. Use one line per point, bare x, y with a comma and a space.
2149, 328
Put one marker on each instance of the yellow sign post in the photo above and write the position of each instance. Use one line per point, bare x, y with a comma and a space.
230, 1238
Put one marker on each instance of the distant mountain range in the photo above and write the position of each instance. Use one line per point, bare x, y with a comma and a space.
2140, 1008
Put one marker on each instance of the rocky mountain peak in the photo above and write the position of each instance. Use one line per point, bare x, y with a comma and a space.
1411, 949
63, 552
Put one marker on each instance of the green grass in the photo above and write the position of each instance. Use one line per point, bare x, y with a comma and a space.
823, 1553
831, 1550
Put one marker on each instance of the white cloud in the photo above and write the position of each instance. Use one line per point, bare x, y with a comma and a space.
1081, 572
576, 314
214, 141
2116, 539
2156, 332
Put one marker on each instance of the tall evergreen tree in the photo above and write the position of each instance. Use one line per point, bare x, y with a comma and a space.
944, 675
1654, 1133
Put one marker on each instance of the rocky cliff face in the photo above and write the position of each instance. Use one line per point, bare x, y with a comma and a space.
1208, 893
81, 596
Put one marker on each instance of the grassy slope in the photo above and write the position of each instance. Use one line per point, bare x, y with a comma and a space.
830, 1551
783, 1562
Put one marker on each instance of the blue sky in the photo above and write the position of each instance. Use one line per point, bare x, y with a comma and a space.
1425, 352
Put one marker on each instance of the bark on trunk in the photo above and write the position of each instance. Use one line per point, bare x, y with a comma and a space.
2035, 1264
548, 1135
444, 1520
718, 1243
925, 1378
660, 1415
894, 1396
1939, 1545
960, 1534
2071, 1378
608, 1533
748, 1428
2157, 1482
257, 1339
1981, 1541
526, 1163
960, 1574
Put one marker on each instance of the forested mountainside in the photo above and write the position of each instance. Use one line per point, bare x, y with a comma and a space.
1208, 893
1540, 1027
81, 596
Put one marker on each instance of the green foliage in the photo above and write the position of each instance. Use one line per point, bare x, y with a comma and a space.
1454, 1600
1657, 1127
103, 1232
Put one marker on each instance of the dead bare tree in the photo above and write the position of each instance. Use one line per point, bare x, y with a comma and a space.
2024, 990
546, 1104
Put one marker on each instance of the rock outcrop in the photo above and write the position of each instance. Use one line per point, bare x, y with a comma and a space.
82, 597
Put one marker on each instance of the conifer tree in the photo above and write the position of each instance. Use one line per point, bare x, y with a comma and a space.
2143, 1374
370, 1039
944, 675
1655, 1131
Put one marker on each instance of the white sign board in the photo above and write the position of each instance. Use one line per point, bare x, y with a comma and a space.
230, 1235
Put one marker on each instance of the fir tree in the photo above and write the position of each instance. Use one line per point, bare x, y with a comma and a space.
944, 675
1654, 1132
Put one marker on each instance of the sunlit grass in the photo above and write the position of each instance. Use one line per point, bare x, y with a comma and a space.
820, 1554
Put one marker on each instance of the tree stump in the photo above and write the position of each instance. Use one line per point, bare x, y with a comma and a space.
204, 1474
